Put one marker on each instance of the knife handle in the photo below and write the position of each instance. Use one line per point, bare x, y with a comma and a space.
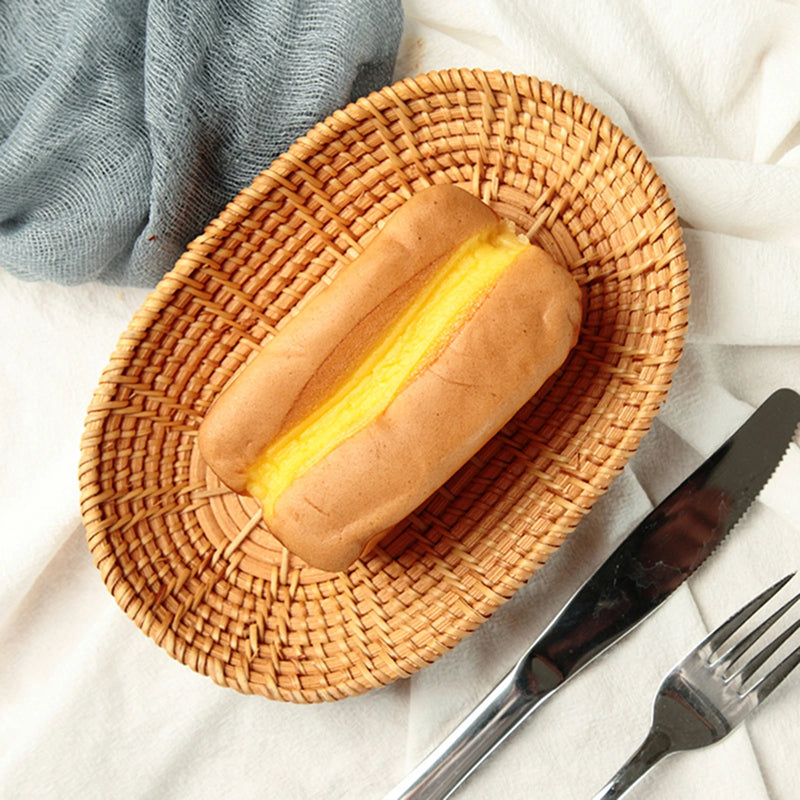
441, 772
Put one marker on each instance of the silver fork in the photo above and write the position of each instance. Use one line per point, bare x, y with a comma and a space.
707, 695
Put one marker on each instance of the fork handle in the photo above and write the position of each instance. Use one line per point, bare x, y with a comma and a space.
656, 746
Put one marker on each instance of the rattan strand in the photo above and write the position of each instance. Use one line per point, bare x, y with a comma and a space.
191, 563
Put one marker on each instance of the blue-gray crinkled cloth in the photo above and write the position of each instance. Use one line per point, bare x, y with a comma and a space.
127, 125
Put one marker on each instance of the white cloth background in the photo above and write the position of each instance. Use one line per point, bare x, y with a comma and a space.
91, 708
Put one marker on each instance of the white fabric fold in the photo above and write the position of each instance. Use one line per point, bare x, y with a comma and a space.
91, 708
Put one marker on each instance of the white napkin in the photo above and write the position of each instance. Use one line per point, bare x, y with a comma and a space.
91, 708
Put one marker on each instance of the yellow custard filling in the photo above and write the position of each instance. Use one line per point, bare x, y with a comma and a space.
409, 341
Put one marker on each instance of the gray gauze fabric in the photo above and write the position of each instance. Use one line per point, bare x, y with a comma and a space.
127, 125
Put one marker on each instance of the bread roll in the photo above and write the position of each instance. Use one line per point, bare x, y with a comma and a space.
393, 376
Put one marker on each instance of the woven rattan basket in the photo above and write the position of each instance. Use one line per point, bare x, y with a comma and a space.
191, 564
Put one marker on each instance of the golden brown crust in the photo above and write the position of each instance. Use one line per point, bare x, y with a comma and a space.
514, 340
517, 338
302, 361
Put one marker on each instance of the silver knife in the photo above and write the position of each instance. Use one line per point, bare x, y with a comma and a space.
659, 555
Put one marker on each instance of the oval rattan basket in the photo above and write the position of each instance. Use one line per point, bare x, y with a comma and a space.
191, 564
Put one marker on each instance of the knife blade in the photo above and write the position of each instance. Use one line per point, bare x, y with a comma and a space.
655, 558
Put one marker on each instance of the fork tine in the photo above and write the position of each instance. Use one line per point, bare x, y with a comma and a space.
749, 669
722, 634
765, 687
735, 653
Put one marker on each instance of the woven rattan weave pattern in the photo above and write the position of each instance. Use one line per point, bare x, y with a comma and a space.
192, 565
